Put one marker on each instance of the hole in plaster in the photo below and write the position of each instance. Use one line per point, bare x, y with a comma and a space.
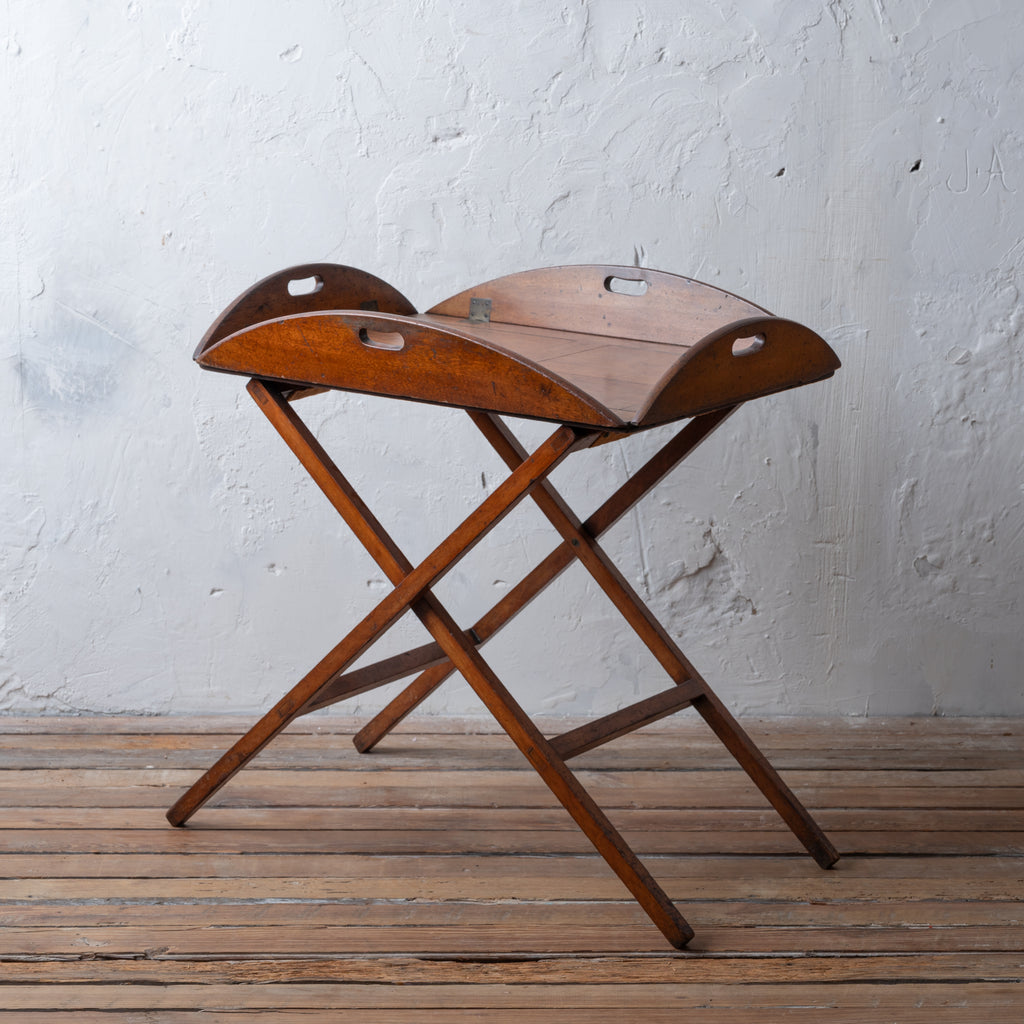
779, 173
305, 285
916, 166
625, 286
748, 346
390, 341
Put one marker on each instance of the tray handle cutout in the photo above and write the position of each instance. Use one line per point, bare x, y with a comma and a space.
748, 346
388, 341
625, 286
305, 285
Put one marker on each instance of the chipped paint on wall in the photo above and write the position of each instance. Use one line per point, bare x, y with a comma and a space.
855, 547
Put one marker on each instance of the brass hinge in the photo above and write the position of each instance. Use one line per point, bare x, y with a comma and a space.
479, 311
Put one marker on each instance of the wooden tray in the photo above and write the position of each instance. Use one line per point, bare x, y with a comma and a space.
601, 346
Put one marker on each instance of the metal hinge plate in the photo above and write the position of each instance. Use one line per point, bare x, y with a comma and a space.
479, 311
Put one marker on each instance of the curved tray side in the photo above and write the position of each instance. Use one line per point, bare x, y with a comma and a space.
333, 287
607, 300
747, 359
393, 355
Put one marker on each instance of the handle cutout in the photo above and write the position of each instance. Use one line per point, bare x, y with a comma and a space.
389, 341
748, 346
305, 285
625, 286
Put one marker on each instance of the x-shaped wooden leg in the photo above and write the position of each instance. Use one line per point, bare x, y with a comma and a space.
411, 584
579, 542
690, 688
688, 439
412, 591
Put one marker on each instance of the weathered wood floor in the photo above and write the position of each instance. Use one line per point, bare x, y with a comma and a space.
436, 880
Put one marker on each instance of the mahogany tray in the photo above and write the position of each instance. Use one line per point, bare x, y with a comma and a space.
601, 346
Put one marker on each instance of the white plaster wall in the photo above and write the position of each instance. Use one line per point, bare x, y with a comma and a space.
850, 548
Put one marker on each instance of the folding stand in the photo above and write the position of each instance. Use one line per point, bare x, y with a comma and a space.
603, 352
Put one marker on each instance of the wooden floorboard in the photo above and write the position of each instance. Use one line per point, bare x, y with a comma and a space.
436, 879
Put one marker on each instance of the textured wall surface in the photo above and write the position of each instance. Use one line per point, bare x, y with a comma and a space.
854, 547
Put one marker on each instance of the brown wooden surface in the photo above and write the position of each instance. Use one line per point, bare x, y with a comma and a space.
559, 345
339, 288
443, 366
673, 310
106, 914
712, 374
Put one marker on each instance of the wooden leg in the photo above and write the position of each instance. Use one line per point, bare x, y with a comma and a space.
401, 706
561, 781
638, 485
766, 778
411, 587
661, 645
